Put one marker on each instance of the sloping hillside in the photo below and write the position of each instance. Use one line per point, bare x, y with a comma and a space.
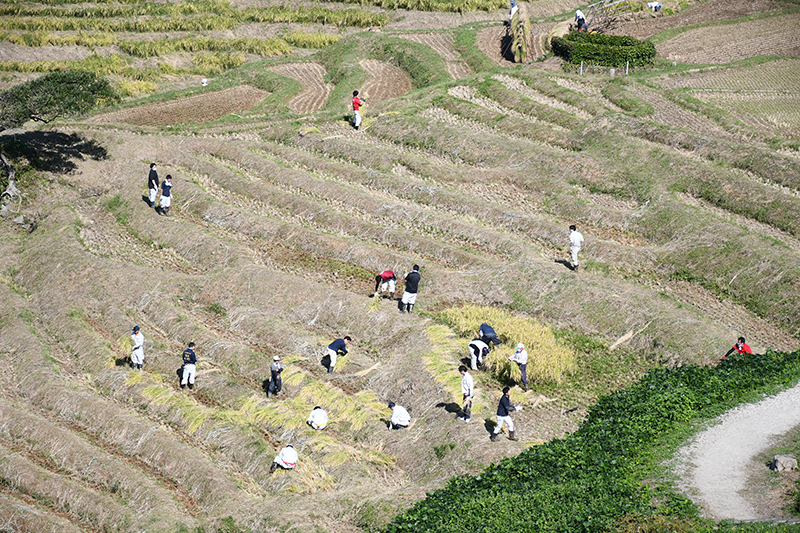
683, 182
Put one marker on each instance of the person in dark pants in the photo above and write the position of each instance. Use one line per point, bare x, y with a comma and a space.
152, 184
400, 417
409, 298
275, 383
487, 334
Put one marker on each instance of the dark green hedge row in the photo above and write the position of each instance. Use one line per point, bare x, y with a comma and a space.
592, 480
599, 49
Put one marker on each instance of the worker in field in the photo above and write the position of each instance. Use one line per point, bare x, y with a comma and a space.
504, 409
409, 298
286, 459
400, 417
741, 347
385, 281
166, 195
580, 20
468, 392
487, 334
318, 419
477, 351
339, 345
575, 242
189, 367
357, 103
513, 10
137, 350
275, 381
520, 356
152, 184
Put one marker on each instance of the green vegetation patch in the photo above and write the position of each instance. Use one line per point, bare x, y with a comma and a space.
593, 480
600, 49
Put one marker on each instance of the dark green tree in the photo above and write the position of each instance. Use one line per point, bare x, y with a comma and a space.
47, 98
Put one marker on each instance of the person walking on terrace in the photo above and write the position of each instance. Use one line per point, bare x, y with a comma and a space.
152, 184
467, 391
575, 242
137, 351
189, 367
357, 103
339, 345
409, 298
385, 281
275, 382
166, 195
286, 459
504, 409
520, 356
400, 417
740, 347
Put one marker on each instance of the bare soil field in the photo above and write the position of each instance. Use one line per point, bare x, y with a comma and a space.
385, 81
200, 108
732, 42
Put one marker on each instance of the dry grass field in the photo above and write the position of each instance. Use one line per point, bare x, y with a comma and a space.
684, 180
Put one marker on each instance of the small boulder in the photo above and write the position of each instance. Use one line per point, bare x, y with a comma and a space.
19, 220
783, 462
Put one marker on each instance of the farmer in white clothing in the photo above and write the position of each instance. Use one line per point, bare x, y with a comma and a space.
477, 351
137, 351
400, 417
468, 391
285, 459
580, 19
514, 8
520, 356
575, 242
318, 418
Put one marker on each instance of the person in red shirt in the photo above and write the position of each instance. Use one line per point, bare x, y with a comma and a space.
384, 281
357, 103
740, 347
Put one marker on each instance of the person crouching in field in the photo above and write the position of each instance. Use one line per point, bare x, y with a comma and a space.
357, 103
477, 351
285, 459
318, 419
385, 281
740, 347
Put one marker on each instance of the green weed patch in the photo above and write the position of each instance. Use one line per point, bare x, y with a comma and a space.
592, 480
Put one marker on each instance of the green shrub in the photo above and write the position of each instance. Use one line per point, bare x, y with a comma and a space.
599, 49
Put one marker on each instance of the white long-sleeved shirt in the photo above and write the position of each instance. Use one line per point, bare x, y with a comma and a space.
400, 416
318, 419
520, 356
467, 384
287, 457
138, 341
579, 15
575, 239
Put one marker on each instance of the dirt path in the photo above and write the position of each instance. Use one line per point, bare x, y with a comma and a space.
714, 467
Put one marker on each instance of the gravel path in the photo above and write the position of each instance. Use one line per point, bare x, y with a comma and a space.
713, 468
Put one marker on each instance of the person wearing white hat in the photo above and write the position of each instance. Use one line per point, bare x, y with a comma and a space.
137, 351
285, 459
318, 419
520, 356
275, 383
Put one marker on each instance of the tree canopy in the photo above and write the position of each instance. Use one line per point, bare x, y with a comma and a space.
52, 96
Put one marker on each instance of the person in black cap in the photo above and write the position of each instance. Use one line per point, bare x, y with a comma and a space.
137, 351
189, 367
400, 417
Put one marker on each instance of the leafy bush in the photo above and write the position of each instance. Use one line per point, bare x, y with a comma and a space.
599, 49
548, 360
592, 480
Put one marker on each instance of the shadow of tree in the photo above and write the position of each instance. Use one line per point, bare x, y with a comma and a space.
51, 151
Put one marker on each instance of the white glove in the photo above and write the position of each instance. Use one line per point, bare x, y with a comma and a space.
518, 408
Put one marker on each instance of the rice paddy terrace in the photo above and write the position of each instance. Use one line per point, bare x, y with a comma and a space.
683, 178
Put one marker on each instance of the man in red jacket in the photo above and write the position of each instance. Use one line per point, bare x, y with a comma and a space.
740, 347
385, 281
357, 103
